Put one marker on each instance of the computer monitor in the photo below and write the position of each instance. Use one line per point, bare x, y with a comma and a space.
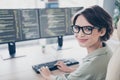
18, 25
53, 23
7, 26
56, 22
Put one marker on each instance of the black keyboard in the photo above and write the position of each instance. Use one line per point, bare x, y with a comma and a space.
52, 66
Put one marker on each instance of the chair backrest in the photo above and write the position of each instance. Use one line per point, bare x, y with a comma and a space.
118, 29
113, 70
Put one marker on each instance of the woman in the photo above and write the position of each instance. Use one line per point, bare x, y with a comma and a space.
91, 27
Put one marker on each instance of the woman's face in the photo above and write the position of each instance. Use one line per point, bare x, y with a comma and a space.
87, 40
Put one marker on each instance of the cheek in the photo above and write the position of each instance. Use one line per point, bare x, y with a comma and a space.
76, 36
94, 37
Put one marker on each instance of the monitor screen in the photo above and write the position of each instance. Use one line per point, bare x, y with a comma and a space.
18, 25
7, 26
52, 22
27, 24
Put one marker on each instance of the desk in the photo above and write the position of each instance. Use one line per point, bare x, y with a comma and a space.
21, 68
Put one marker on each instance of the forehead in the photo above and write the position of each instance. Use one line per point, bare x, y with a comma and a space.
82, 21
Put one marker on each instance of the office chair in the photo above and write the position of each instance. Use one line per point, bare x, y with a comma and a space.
113, 71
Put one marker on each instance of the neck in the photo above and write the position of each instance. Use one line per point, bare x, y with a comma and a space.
94, 47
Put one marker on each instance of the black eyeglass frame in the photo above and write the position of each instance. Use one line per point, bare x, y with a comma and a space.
79, 28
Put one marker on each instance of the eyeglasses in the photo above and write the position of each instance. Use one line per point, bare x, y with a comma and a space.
85, 29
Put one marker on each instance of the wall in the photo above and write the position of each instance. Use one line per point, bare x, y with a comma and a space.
18, 4
109, 5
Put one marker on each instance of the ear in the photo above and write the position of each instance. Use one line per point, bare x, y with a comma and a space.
102, 31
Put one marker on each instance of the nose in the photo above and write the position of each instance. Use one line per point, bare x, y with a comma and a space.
80, 34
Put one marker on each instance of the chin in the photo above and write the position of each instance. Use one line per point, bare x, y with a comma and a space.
82, 45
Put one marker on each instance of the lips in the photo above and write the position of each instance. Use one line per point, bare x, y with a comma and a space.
83, 40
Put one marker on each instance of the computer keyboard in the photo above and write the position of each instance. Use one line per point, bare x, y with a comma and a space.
51, 65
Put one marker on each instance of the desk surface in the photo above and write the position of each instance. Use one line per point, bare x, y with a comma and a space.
21, 68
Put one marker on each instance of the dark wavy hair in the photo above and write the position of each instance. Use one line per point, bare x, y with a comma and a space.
99, 18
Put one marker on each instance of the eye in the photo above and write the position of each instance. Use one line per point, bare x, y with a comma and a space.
76, 27
88, 28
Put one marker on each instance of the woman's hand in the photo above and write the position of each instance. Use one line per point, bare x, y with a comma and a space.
45, 72
63, 67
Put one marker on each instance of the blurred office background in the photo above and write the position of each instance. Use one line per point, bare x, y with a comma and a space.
108, 5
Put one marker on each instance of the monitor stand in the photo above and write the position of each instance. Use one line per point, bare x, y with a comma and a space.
12, 52
60, 42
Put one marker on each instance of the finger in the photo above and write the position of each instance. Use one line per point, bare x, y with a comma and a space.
58, 66
46, 67
42, 68
57, 63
